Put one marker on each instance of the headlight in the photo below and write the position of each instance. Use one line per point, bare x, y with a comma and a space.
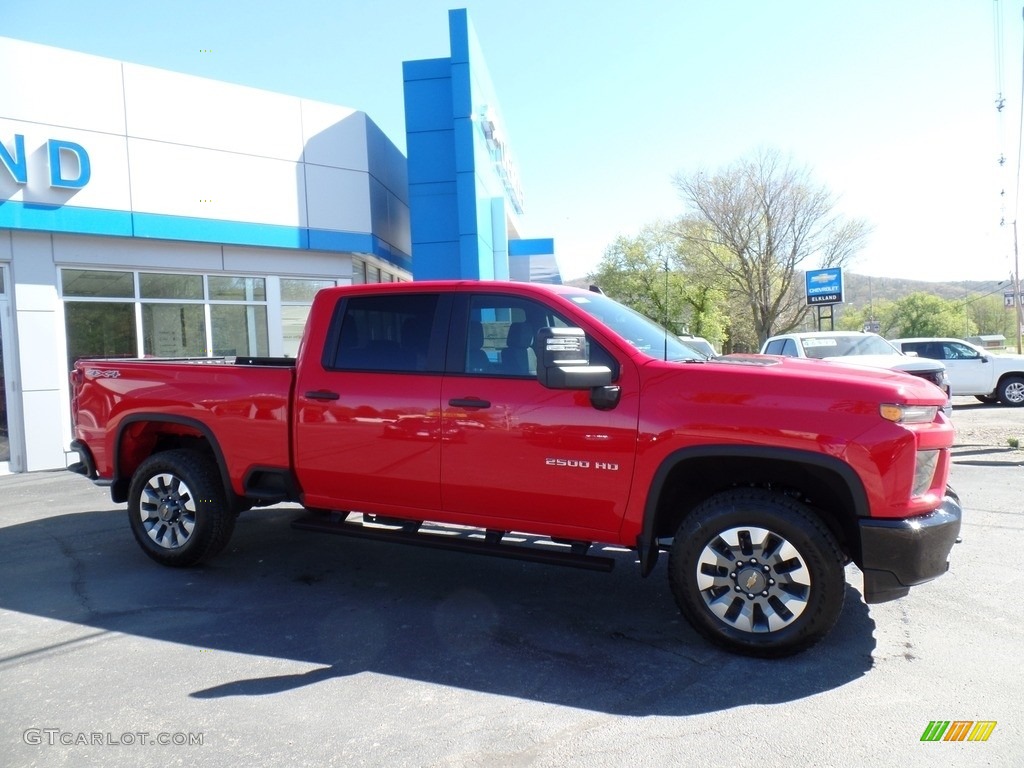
908, 414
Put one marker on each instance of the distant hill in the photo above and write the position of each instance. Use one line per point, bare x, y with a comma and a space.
858, 290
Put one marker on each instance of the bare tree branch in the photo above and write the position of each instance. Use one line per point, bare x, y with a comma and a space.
761, 222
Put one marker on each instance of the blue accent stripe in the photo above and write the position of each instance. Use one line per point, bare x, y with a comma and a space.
96, 221
326, 240
165, 227
539, 246
64, 218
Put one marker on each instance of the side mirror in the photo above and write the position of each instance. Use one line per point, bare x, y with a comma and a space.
563, 362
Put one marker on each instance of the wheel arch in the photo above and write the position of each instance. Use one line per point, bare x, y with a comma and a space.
688, 476
141, 435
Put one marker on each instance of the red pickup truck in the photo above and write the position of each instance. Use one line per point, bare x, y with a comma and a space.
416, 410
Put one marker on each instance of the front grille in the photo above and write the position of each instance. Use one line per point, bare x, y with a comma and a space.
937, 377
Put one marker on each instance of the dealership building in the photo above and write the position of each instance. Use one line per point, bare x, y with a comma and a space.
151, 213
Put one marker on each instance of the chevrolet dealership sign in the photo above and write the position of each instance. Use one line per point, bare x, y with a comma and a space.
68, 163
824, 286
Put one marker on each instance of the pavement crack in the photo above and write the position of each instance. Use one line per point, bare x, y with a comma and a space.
78, 586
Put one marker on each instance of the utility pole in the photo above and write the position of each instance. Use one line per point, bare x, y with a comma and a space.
1018, 310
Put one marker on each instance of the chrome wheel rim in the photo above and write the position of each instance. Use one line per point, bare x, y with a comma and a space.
1014, 392
168, 511
753, 579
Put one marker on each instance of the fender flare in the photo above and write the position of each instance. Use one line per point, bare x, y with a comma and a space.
647, 545
119, 484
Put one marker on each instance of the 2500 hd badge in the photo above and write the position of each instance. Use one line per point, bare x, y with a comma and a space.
582, 464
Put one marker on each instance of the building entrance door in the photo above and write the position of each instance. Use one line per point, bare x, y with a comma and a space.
5, 440
6, 374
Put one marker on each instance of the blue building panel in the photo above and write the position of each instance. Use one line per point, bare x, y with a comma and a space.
435, 151
426, 69
540, 246
465, 153
462, 96
433, 260
455, 98
428, 105
432, 219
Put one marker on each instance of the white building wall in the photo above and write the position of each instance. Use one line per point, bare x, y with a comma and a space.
171, 145
186, 174
39, 323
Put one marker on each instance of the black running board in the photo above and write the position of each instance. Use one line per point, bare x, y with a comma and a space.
459, 542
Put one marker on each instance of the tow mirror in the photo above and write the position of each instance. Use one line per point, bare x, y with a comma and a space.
563, 361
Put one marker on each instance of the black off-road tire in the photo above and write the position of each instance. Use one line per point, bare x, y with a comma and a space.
177, 510
758, 573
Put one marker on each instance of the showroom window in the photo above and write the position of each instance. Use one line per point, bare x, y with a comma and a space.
97, 324
296, 299
130, 314
238, 315
364, 272
358, 271
173, 315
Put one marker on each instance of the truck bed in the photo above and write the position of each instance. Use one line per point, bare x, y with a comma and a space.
241, 404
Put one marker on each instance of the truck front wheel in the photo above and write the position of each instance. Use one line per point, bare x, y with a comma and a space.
756, 572
177, 510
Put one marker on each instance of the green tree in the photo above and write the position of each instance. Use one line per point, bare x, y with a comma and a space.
990, 316
643, 272
760, 223
922, 314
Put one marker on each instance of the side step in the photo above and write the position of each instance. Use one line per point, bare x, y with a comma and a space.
443, 538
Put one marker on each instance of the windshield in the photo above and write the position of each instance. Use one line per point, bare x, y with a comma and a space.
844, 346
643, 333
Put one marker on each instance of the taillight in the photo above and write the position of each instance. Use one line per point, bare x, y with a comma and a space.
76, 378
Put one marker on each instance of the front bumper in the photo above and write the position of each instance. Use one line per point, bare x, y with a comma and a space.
897, 554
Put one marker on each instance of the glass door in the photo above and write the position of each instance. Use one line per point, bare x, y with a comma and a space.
6, 369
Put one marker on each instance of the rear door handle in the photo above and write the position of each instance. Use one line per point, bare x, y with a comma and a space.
322, 394
469, 402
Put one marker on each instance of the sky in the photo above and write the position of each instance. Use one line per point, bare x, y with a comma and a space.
890, 105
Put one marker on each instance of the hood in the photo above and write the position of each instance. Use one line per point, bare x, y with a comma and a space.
893, 362
805, 377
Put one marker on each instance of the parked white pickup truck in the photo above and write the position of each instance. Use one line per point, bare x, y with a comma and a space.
973, 371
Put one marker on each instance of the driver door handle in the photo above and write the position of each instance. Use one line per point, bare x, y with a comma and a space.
469, 402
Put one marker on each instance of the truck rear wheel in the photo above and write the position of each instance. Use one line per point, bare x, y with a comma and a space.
756, 572
177, 510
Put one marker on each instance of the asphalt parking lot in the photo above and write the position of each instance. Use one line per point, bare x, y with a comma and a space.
304, 649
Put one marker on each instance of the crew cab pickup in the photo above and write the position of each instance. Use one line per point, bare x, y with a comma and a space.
419, 410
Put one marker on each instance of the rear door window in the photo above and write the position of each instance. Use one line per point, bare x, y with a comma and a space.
395, 332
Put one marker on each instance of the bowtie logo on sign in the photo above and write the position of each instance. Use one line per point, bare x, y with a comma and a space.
68, 163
